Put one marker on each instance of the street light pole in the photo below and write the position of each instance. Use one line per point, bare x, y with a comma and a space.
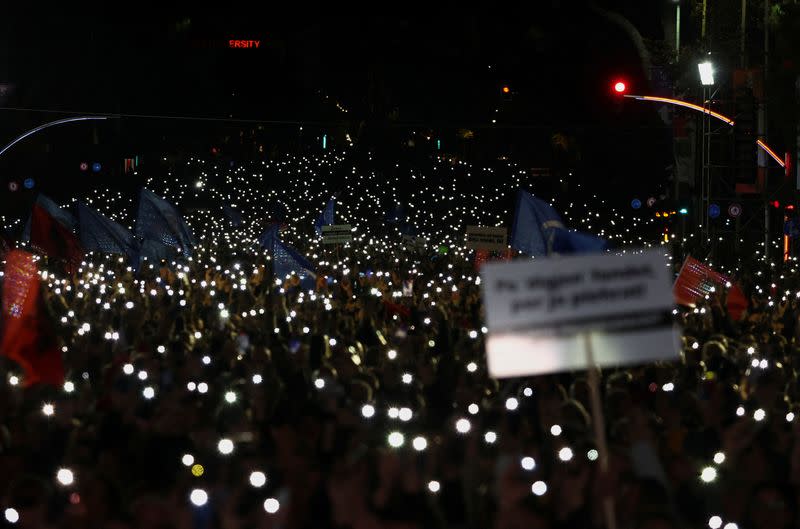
678, 30
706, 70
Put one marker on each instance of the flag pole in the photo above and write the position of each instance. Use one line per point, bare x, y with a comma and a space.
599, 426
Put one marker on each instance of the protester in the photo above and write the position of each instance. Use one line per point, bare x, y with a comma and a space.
211, 391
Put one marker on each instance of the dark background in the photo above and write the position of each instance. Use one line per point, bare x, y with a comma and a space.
414, 73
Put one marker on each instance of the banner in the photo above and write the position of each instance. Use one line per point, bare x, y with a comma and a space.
487, 238
337, 234
542, 314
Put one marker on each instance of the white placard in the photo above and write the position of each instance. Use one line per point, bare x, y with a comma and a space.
539, 312
337, 234
487, 238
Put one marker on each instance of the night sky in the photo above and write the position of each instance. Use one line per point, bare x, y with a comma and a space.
437, 71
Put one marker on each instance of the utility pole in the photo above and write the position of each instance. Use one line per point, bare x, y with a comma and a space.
743, 37
762, 130
703, 25
678, 30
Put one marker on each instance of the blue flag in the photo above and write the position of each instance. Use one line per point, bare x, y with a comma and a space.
158, 220
234, 216
155, 252
277, 211
571, 242
268, 238
533, 226
325, 218
286, 260
101, 234
52, 209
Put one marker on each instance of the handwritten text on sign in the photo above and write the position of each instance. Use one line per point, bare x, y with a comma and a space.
538, 311
337, 234
487, 238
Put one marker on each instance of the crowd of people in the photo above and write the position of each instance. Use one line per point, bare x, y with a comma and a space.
208, 393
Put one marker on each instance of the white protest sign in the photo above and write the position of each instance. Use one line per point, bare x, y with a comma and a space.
337, 234
540, 312
487, 238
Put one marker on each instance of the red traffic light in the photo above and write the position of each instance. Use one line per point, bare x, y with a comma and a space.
620, 87
776, 204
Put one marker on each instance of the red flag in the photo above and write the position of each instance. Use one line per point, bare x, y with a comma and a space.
695, 282
51, 237
394, 308
481, 256
27, 334
737, 302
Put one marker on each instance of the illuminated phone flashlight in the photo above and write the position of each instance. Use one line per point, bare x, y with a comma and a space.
12, 516
565, 454
225, 446
708, 475
512, 403
258, 479
65, 477
539, 488
48, 409
396, 439
527, 463
420, 443
490, 437
463, 426
187, 460
198, 497
271, 505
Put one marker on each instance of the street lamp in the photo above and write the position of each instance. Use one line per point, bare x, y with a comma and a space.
677, 30
706, 73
